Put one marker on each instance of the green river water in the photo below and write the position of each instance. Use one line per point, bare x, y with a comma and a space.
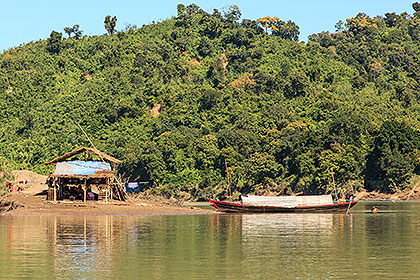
361, 245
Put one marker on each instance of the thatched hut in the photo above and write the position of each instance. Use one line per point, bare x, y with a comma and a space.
85, 173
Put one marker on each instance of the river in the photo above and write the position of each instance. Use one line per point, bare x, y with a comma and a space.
362, 245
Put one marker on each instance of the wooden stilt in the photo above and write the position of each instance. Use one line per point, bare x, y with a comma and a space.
55, 192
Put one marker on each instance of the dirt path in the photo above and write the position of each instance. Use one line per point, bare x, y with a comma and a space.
31, 200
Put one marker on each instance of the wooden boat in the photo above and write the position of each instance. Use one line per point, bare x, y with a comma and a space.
283, 205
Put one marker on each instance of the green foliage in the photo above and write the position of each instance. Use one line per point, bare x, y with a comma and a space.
5, 176
200, 100
287, 30
54, 42
77, 34
394, 157
110, 24
297, 84
416, 8
232, 13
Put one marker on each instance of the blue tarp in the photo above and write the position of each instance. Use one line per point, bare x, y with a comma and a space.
135, 187
132, 187
78, 167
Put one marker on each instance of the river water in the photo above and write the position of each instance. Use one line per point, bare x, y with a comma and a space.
362, 245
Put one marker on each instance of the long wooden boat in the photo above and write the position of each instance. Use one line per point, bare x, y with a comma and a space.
232, 207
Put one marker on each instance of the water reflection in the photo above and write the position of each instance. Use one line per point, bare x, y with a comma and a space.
272, 246
286, 224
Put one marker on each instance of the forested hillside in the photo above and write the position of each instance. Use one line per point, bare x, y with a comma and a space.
205, 100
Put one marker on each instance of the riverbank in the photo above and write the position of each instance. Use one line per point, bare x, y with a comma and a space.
24, 204
412, 194
29, 198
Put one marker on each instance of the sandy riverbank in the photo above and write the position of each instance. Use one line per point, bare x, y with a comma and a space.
31, 200
20, 204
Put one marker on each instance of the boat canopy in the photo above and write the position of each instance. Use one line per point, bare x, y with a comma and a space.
287, 201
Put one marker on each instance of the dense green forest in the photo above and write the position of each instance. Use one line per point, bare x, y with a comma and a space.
206, 100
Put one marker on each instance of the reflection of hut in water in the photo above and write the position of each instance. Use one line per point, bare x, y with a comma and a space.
79, 176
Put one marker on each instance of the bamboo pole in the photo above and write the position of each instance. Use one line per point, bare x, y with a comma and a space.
333, 181
229, 192
348, 208
116, 179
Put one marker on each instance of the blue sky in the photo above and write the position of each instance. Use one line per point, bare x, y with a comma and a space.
29, 20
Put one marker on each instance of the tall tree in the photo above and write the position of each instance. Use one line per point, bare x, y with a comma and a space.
77, 34
181, 10
286, 30
232, 13
54, 42
110, 24
416, 7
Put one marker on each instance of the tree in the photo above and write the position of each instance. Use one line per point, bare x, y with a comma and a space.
54, 42
73, 30
110, 24
340, 26
68, 31
394, 157
216, 13
181, 10
361, 24
232, 13
288, 31
297, 84
277, 27
263, 167
268, 22
416, 8
193, 9
391, 19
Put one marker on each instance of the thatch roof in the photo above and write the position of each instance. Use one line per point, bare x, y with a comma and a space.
81, 150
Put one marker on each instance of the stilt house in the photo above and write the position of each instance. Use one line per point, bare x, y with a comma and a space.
84, 174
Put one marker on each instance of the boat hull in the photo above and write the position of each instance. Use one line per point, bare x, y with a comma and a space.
231, 207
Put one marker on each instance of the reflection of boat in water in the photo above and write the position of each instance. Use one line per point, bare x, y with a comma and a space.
284, 204
287, 224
